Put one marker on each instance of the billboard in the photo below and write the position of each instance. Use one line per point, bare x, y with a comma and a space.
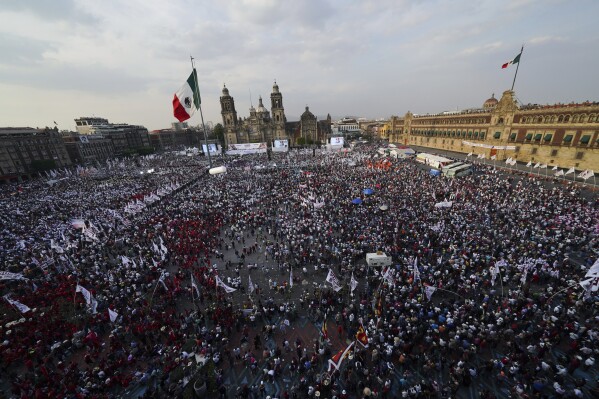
212, 147
249, 148
280, 146
337, 140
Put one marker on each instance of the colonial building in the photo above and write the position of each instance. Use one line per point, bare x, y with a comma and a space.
260, 126
26, 151
173, 138
88, 148
125, 138
264, 126
563, 135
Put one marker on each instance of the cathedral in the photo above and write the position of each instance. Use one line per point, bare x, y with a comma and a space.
260, 127
263, 126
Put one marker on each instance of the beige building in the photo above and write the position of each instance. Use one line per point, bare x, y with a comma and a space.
563, 135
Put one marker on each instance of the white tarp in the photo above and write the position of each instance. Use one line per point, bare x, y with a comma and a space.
444, 204
249, 148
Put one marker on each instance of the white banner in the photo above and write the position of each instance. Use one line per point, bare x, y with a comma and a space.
22, 308
248, 148
11, 276
219, 283
496, 147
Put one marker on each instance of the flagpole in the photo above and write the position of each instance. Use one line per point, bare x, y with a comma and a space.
517, 66
195, 78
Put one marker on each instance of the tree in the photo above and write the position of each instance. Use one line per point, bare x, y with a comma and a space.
219, 133
301, 141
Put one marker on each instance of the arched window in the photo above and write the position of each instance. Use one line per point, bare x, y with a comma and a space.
575, 119
592, 118
560, 119
567, 118
552, 119
500, 121
583, 118
540, 119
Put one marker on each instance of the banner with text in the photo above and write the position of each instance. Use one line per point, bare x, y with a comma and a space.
249, 148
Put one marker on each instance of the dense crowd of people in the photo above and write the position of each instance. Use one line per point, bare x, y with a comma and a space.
127, 280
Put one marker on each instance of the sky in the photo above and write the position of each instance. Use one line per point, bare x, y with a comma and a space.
124, 60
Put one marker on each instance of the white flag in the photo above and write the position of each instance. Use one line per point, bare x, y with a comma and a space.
429, 291
290, 277
593, 270
112, 314
332, 279
195, 287
469, 154
508, 161
554, 168
415, 269
544, 166
22, 308
251, 285
493, 157
571, 170
529, 164
353, 282
161, 280
12, 276
225, 286
86, 294
537, 165
559, 173
57, 248
513, 162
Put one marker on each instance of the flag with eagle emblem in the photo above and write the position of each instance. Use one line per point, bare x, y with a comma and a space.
187, 98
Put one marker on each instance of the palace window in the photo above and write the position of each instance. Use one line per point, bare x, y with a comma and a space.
538, 137
575, 119
497, 135
528, 137
592, 118
567, 118
553, 153
533, 151
585, 139
568, 138
513, 136
579, 155
482, 135
548, 137
560, 119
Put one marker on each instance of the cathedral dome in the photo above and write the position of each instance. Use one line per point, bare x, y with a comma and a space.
275, 87
225, 91
261, 108
491, 102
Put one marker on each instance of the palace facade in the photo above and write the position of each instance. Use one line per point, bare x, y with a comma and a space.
563, 135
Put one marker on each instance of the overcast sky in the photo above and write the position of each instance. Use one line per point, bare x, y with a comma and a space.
123, 60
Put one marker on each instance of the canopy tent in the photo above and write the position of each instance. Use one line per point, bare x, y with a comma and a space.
356, 201
368, 191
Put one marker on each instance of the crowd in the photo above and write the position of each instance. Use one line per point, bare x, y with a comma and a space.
128, 279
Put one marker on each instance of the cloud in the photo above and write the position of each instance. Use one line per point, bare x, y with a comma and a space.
485, 48
545, 40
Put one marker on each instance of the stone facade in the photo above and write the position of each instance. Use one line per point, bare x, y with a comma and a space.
563, 135
259, 126
22, 149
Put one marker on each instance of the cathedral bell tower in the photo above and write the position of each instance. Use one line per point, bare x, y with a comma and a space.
227, 110
278, 112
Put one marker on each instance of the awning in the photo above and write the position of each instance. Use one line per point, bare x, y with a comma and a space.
538, 136
529, 136
568, 138
548, 137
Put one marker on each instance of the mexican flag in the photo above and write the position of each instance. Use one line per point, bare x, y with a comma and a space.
187, 98
514, 61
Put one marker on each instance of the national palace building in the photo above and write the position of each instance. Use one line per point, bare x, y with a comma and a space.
563, 135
